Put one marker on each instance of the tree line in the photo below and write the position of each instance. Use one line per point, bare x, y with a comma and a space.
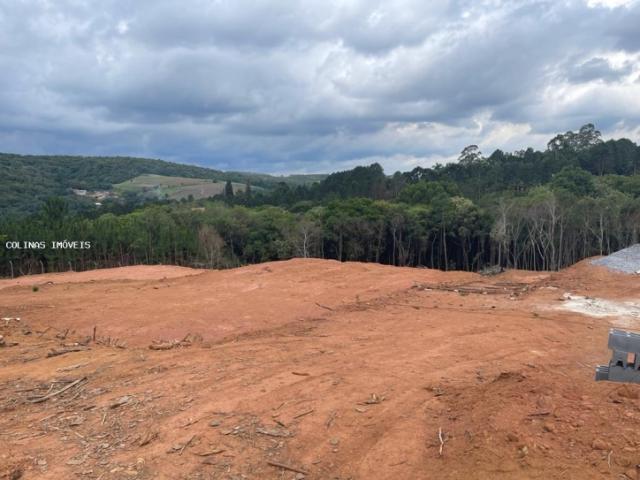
527, 209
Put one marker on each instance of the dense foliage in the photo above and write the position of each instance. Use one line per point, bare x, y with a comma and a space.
527, 209
26, 181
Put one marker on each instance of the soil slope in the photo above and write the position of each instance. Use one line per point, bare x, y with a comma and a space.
312, 369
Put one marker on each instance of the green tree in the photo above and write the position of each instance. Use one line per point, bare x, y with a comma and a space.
575, 180
228, 189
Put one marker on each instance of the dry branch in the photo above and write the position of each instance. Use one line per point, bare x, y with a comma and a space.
287, 467
169, 345
273, 432
186, 444
55, 353
325, 307
304, 413
57, 392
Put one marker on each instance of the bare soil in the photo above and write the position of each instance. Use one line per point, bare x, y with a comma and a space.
312, 369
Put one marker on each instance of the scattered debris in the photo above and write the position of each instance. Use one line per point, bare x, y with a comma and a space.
437, 391
121, 401
239, 388
374, 399
58, 392
163, 345
514, 289
273, 432
62, 335
54, 352
147, 438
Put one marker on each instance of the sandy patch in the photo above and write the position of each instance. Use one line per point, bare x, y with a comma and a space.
623, 313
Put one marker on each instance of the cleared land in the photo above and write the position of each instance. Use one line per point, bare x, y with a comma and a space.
174, 188
312, 369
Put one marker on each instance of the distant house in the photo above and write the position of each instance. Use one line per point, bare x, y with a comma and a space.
102, 194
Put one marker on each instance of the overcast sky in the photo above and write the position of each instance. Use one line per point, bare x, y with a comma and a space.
286, 86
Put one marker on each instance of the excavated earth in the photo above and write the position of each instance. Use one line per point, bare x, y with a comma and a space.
313, 369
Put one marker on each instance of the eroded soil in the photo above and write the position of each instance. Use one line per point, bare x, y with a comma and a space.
312, 369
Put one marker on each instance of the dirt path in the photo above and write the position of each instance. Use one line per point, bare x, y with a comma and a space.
335, 370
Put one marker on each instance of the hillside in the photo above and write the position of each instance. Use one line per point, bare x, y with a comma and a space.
175, 188
26, 181
335, 370
539, 210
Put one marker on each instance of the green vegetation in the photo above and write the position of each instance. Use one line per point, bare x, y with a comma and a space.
527, 209
26, 181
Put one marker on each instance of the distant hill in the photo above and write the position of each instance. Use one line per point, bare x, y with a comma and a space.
175, 188
26, 181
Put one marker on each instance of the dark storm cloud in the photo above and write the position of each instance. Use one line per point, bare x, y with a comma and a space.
303, 86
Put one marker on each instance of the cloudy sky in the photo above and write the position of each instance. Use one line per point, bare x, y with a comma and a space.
313, 86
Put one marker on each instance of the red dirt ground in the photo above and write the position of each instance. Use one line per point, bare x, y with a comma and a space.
338, 370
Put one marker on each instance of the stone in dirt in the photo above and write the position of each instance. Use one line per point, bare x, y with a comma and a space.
599, 444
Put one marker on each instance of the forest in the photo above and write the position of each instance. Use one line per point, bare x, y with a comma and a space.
538, 210
28, 181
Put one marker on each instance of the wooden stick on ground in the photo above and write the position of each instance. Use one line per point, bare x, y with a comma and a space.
441, 440
325, 307
57, 392
287, 467
331, 418
186, 444
55, 353
44, 331
304, 413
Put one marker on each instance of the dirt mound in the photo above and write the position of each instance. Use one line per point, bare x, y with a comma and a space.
142, 272
152, 304
312, 369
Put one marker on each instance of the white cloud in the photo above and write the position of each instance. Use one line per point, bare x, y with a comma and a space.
610, 3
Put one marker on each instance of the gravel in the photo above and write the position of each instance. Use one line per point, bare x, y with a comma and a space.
627, 260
